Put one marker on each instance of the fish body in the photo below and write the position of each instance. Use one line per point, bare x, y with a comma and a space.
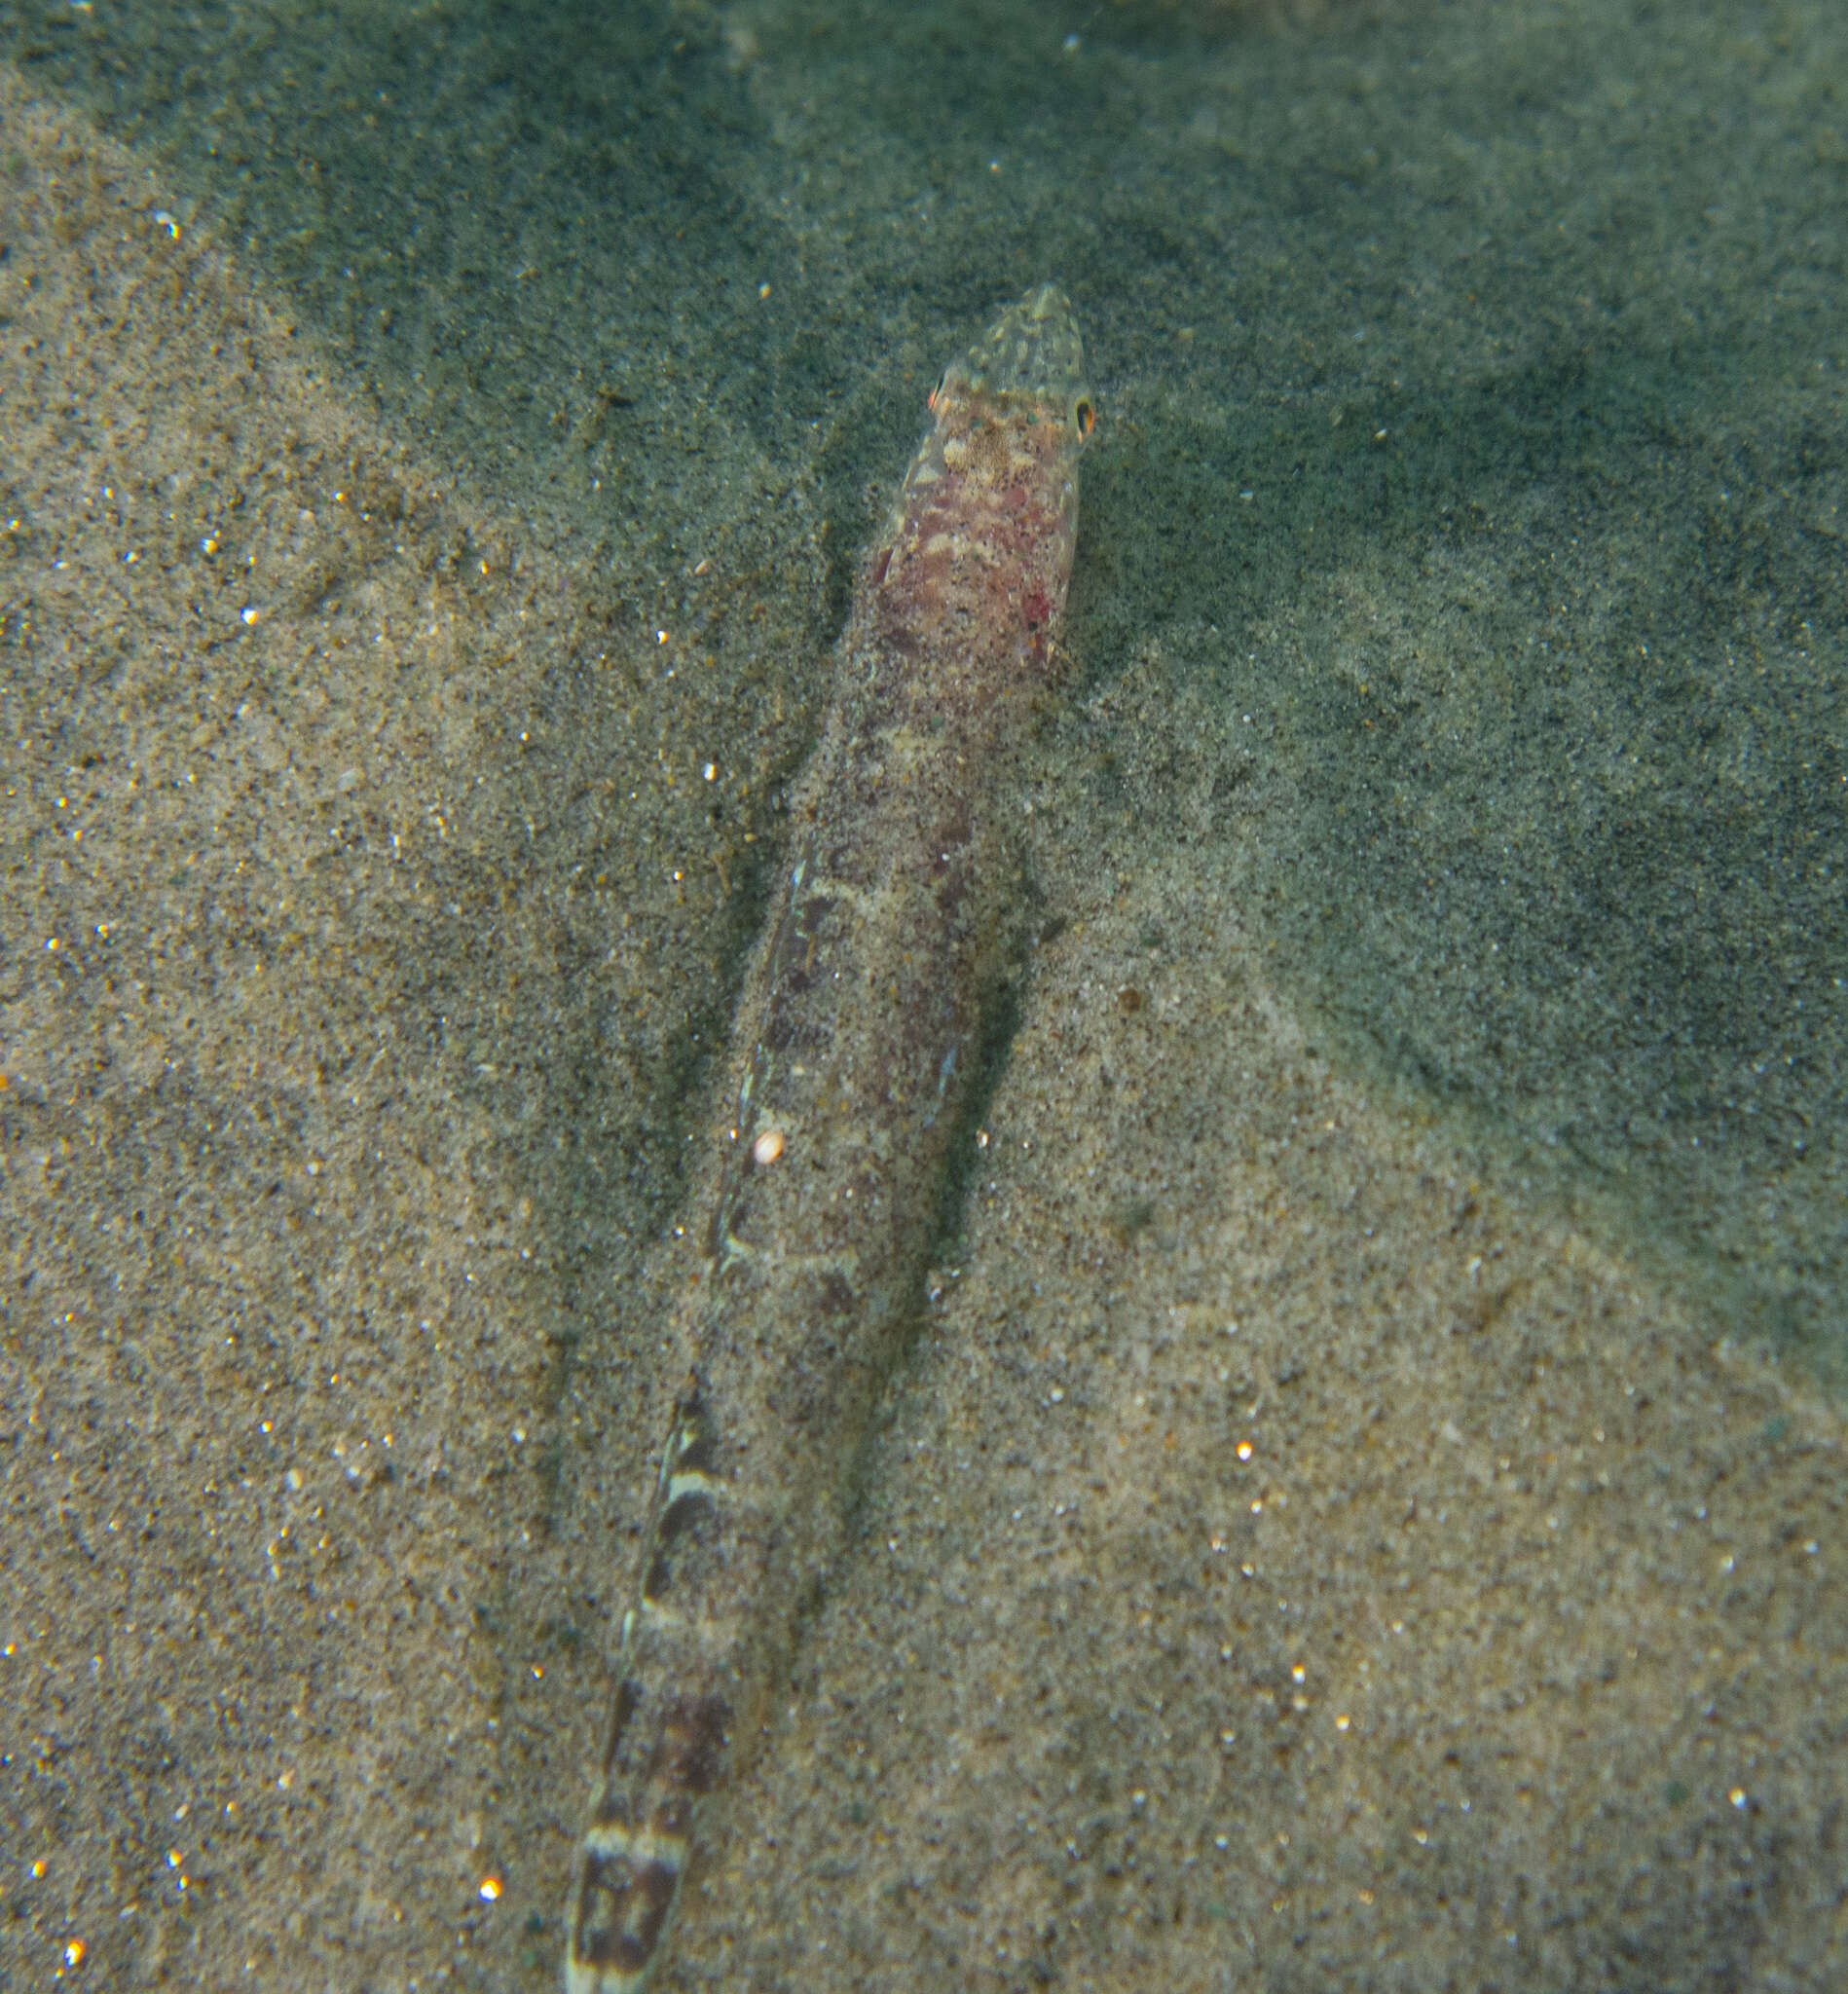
858, 1030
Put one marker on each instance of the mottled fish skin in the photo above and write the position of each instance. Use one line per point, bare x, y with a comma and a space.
858, 1027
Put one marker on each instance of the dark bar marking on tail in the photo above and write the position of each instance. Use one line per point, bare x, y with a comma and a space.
622, 1911
692, 1745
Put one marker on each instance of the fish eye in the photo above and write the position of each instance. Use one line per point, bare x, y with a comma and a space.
1085, 417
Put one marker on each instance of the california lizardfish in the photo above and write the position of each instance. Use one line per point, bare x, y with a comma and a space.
861, 1020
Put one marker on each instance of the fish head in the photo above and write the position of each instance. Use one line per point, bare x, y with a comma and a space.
1029, 363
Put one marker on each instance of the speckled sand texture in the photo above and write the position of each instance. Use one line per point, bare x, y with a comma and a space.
1297, 1557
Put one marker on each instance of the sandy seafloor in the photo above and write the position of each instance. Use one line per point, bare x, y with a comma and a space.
1364, 1509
